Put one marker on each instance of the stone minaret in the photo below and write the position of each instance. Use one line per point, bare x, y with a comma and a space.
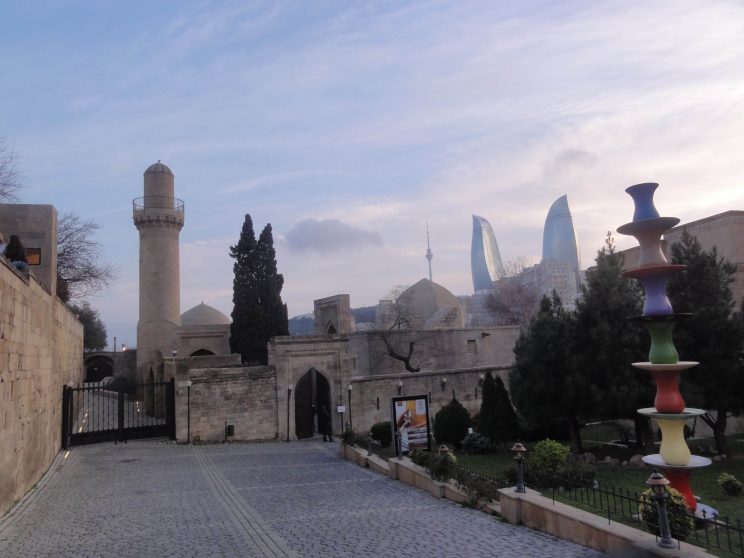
159, 218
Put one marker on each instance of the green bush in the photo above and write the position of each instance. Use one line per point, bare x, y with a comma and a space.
441, 465
476, 444
729, 484
419, 457
451, 423
381, 432
681, 523
549, 456
550, 465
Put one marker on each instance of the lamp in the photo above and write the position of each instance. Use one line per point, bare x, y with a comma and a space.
400, 386
443, 383
519, 450
124, 347
658, 484
481, 377
351, 424
289, 399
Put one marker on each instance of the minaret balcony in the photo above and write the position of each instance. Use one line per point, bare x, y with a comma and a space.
158, 209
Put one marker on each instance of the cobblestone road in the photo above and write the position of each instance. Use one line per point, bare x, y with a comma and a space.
155, 498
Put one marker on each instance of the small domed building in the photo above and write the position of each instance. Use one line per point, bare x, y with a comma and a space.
204, 331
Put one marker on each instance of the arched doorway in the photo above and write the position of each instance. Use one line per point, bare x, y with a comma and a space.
312, 392
98, 367
202, 352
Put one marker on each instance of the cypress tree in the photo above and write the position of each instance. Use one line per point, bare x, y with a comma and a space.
497, 420
258, 312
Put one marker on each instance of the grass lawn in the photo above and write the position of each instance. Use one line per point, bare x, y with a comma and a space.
633, 478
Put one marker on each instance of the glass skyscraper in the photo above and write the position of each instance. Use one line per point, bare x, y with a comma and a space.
559, 236
485, 260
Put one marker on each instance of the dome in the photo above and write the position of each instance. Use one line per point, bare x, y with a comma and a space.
158, 168
202, 314
431, 306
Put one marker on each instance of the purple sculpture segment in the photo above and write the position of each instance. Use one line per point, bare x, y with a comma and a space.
658, 317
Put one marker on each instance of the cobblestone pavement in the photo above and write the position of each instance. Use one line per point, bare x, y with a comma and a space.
301, 499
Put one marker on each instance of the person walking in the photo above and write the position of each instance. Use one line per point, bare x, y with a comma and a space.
324, 424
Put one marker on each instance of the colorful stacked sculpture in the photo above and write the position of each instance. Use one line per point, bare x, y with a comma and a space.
658, 317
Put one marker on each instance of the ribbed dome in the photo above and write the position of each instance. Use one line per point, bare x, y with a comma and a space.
158, 168
202, 314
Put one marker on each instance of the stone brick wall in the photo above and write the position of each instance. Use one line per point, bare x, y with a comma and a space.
434, 350
41, 349
371, 397
242, 396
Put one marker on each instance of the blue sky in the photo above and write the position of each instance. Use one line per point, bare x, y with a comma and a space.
347, 125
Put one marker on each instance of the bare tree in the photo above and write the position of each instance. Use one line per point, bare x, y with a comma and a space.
10, 180
516, 296
81, 269
400, 329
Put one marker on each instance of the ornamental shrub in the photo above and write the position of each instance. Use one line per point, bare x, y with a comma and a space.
451, 423
550, 464
729, 484
681, 522
549, 456
381, 432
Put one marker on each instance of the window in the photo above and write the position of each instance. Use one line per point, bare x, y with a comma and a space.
33, 255
472, 347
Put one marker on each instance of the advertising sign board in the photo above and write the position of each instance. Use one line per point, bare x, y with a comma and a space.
410, 422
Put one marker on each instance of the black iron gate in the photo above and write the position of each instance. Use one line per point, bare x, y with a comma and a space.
94, 413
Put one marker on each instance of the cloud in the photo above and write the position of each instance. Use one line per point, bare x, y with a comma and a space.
328, 235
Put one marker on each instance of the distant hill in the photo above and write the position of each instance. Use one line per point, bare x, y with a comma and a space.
305, 324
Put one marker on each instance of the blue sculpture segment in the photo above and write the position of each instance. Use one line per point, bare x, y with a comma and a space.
485, 260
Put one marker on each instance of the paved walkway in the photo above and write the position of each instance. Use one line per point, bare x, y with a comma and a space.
300, 499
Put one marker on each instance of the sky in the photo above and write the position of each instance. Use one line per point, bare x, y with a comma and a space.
350, 125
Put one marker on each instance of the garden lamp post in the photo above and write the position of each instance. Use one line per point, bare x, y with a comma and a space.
289, 399
400, 386
351, 425
519, 450
658, 484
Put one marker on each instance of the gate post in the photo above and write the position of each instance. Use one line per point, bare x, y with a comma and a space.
65, 417
120, 417
170, 408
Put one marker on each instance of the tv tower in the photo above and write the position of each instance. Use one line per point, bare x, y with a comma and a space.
429, 254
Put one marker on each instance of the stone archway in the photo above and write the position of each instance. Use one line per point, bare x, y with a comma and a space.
98, 367
311, 393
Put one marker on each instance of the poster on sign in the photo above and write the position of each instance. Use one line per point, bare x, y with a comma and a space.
411, 423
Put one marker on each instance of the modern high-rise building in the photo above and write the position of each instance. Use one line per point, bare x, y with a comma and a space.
485, 260
559, 237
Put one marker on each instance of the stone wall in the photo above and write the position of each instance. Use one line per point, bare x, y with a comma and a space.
36, 226
242, 396
41, 349
371, 398
433, 350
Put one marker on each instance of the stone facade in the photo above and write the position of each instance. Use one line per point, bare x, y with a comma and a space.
333, 315
723, 231
294, 357
433, 350
371, 398
245, 397
41, 349
36, 226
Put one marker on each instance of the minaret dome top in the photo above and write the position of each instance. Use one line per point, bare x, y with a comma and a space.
158, 168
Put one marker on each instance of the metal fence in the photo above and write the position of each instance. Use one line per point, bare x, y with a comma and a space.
707, 530
703, 529
94, 413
